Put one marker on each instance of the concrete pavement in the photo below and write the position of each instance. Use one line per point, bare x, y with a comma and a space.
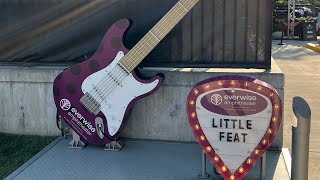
302, 78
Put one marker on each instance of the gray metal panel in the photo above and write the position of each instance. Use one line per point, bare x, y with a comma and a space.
139, 160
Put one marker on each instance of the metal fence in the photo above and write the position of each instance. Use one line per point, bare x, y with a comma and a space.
216, 33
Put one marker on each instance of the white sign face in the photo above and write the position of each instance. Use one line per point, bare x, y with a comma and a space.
234, 119
227, 133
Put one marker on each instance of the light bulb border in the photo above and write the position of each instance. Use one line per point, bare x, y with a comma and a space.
241, 82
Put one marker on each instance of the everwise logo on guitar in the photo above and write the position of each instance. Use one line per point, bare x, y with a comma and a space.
77, 117
65, 104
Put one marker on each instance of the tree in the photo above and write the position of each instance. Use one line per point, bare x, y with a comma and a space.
298, 1
312, 3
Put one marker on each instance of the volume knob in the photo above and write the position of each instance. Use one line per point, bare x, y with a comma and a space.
107, 106
110, 118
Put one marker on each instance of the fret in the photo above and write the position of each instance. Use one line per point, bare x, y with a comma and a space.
183, 6
125, 63
150, 40
147, 43
165, 25
156, 34
188, 3
139, 52
123, 68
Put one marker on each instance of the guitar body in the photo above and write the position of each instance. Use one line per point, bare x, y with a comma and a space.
101, 79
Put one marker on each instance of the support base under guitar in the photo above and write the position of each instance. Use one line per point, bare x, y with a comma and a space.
66, 131
206, 176
76, 142
113, 146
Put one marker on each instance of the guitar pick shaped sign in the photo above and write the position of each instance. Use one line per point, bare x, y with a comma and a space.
235, 120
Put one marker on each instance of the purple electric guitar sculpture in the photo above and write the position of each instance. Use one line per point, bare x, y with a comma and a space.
95, 96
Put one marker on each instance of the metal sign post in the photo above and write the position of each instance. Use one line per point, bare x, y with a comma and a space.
300, 139
263, 167
204, 174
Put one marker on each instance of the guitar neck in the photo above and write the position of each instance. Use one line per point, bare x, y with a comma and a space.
156, 34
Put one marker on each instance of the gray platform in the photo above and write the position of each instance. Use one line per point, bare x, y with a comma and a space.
141, 160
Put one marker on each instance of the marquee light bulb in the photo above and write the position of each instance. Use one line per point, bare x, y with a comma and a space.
246, 84
207, 86
232, 177
256, 152
197, 127
196, 91
220, 83
193, 115
259, 88
209, 148
274, 119
202, 137
270, 131
224, 168
249, 161
271, 94
233, 83
216, 158
241, 169
191, 102
264, 141
276, 106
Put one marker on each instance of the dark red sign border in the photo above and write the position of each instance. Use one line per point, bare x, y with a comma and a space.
241, 82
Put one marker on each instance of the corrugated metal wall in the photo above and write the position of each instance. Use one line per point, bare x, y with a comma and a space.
217, 33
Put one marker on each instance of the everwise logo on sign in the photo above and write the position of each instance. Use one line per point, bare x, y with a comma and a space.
216, 99
235, 100
65, 104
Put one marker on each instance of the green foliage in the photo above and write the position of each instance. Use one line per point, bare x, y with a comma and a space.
281, 1
308, 18
298, 1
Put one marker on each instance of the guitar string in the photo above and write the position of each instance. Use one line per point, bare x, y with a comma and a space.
166, 28
179, 8
135, 55
145, 46
135, 52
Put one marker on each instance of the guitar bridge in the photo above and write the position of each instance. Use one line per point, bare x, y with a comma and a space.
92, 105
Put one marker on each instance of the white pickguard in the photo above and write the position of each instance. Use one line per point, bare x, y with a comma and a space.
117, 101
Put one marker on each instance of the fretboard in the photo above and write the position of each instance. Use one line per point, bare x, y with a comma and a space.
134, 57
